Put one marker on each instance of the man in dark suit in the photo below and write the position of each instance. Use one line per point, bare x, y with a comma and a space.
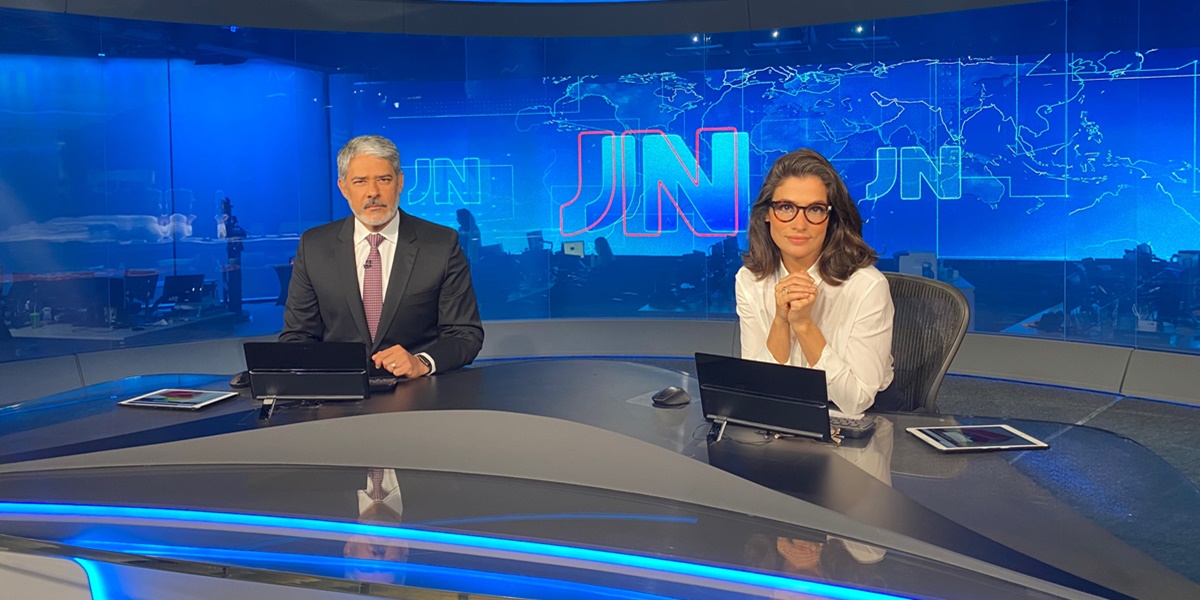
398, 283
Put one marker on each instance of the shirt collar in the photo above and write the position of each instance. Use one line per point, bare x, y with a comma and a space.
813, 271
390, 232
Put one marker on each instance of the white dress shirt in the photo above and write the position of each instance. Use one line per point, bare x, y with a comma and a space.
391, 493
855, 318
387, 252
876, 459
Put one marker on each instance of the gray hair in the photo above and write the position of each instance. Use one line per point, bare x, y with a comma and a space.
374, 145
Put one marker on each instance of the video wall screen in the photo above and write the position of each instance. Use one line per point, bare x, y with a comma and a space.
1071, 169
1021, 158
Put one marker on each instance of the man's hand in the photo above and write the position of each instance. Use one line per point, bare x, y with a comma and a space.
399, 362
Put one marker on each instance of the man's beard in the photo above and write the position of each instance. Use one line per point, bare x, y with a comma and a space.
376, 221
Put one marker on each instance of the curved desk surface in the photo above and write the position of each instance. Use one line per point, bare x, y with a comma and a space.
1085, 514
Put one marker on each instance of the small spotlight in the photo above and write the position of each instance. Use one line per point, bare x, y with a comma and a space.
695, 38
858, 29
101, 54
775, 33
233, 28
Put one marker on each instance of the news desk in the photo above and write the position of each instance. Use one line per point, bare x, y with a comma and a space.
1086, 515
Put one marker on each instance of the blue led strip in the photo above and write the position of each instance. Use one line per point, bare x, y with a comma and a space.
283, 561
181, 517
97, 581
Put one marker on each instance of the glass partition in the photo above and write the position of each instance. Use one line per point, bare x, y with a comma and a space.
1040, 157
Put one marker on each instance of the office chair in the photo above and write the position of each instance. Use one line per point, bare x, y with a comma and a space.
737, 335
930, 323
179, 289
139, 290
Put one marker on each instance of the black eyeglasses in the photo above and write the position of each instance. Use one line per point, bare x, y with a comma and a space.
813, 213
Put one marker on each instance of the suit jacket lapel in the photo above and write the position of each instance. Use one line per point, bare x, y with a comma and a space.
402, 267
347, 266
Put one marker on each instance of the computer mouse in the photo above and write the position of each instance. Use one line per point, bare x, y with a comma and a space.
241, 380
670, 397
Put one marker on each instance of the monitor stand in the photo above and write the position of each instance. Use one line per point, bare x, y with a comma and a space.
270, 403
267, 409
717, 431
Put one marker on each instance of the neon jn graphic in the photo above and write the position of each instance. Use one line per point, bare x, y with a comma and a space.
441, 181
652, 183
914, 165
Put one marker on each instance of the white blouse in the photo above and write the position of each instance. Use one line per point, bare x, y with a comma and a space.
855, 318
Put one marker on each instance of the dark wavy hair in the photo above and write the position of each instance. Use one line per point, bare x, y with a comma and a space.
843, 251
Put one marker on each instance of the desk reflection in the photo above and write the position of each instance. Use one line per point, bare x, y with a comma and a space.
830, 558
379, 503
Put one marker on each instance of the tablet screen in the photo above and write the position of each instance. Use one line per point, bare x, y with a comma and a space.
981, 437
175, 398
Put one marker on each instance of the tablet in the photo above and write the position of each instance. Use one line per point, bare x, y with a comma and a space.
960, 438
174, 398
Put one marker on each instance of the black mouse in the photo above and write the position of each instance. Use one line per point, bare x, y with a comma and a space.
671, 397
241, 380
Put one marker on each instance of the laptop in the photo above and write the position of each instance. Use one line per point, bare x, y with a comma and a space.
775, 397
308, 371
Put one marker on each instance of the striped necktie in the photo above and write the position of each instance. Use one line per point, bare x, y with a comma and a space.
373, 284
377, 494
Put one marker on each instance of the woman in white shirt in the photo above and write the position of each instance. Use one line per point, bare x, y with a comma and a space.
809, 294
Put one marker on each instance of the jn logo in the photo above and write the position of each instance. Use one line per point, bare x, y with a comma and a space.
444, 182
914, 165
662, 184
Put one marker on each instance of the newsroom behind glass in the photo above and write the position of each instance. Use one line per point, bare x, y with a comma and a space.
1040, 157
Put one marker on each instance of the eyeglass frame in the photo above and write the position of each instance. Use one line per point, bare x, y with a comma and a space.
774, 205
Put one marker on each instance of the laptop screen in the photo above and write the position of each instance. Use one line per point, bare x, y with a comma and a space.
782, 381
775, 397
307, 371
